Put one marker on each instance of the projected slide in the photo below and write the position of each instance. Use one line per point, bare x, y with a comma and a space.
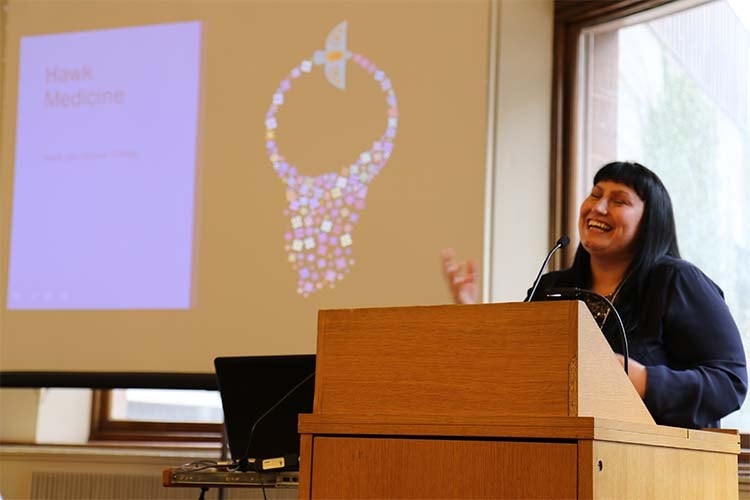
105, 167
324, 210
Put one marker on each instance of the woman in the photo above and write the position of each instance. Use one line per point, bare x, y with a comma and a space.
686, 355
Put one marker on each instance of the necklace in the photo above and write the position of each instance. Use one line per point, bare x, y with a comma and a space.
599, 309
324, 209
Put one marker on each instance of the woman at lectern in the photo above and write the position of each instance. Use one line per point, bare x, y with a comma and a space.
686, 356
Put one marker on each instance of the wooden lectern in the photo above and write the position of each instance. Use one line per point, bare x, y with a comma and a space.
521, 400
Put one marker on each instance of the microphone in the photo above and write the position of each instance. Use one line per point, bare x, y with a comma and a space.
561, 243
577, 294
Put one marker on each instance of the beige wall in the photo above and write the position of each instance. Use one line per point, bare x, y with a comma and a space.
19, 410
520, 212
18, 463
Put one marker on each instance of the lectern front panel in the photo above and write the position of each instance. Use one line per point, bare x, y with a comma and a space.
460, 361
356, 468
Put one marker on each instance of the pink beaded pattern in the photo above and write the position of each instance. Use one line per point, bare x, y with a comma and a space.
324, 209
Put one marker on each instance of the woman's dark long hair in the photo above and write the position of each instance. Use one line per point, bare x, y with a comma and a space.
657, 234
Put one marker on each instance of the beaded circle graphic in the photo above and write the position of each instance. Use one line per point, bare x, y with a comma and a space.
324, 209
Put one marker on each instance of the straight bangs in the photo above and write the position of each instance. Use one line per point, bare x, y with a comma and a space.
631, 174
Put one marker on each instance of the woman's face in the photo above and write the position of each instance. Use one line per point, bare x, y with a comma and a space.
609, 220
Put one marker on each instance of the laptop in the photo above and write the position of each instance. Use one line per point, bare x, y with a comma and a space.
250, 386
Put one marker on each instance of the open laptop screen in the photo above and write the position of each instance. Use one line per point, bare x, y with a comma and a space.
250, 386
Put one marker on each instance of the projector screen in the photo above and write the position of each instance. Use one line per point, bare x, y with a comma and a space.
186, 181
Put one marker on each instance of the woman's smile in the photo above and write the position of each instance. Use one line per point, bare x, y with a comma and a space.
610, 219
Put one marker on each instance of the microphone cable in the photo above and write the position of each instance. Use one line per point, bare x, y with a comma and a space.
577, 293
258, 464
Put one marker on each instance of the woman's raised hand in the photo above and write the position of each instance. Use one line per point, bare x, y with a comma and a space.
460, 277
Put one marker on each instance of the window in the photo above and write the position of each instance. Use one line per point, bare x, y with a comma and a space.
155, 405
157, 415
665, 83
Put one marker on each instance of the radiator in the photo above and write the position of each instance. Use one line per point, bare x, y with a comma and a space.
98, 486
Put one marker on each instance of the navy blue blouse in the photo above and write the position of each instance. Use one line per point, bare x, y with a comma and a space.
683, 332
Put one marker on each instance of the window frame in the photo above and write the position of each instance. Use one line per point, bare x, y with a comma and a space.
571, 17
105, 428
